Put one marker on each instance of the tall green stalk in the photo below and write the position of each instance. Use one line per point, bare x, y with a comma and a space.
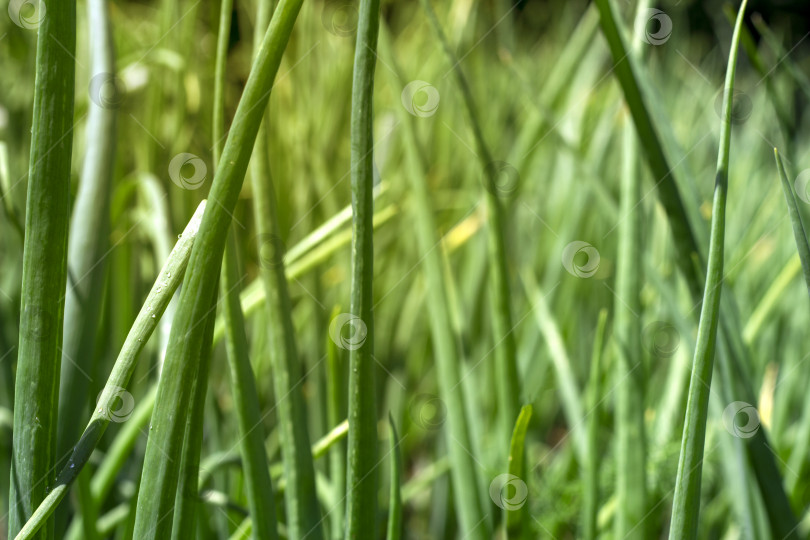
508, 384
44, 269
361, 479
300, 497
630, 443
686, 503
164, 446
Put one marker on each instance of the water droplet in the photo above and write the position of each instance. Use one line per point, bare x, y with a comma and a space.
180, 235
153, 315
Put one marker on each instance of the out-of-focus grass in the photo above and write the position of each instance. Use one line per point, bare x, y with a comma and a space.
550, 103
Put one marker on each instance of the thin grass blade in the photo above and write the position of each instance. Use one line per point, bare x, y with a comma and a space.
686, 503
